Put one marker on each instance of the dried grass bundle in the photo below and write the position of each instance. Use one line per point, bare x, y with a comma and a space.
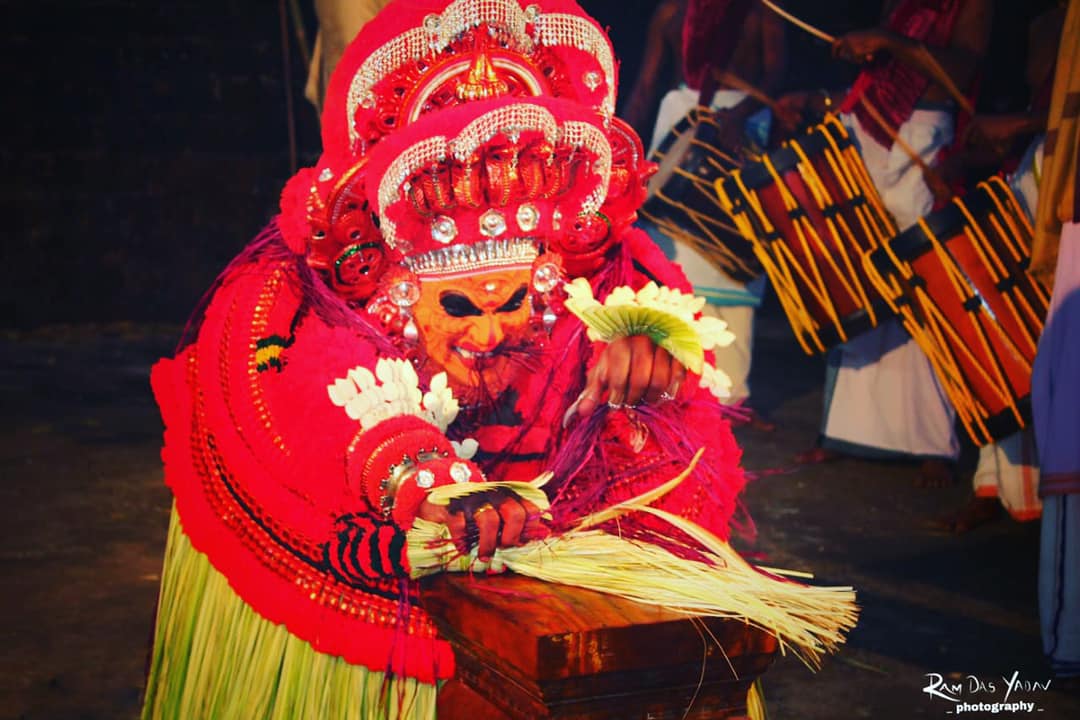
807, 620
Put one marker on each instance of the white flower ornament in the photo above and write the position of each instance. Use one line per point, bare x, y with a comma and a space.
716, 381
393, 390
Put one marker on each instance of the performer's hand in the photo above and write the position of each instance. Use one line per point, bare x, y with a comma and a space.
995, 131
790, 112
632, 369
488, 520
732, 130
861, 46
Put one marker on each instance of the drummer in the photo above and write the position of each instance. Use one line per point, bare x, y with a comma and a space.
752, 48
883, 399
339, 22
1007, 475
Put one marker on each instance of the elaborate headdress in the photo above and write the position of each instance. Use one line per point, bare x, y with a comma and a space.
459, 134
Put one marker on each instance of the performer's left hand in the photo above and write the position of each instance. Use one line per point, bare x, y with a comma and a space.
731, 129
630, 370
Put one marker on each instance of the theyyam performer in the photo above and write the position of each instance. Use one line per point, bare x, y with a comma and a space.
417, 322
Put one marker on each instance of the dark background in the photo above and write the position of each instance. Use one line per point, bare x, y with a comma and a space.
145, 142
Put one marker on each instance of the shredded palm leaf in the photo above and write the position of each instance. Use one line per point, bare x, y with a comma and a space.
808, 620
666, 330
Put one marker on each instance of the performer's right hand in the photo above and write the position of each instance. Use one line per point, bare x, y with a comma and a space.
862, 46
631, 370
488, 520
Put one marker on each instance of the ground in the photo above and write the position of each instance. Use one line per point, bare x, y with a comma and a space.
84, 513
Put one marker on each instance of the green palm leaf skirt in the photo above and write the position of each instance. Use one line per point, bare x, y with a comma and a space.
215, 657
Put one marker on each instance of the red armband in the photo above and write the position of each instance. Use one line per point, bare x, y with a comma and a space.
382, 458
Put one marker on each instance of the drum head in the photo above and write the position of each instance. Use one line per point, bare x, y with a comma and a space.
673, 149
682, 202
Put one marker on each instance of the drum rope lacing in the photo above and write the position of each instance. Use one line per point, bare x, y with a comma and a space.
931, 333
857, 193
708, 243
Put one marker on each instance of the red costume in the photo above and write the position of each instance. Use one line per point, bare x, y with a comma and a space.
471, 165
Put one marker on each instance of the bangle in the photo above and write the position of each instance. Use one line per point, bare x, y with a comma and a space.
377, 459
400, 472
388, 486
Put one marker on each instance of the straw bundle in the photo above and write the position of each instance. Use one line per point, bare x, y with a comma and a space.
806, 620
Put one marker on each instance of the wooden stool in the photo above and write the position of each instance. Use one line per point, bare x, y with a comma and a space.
528, 649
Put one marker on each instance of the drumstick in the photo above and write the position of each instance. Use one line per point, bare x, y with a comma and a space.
940, 75
932, 176
800, 23
736, 82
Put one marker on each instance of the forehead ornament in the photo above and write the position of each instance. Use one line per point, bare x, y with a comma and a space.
492, 223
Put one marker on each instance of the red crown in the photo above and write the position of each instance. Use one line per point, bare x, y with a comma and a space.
498, 169
565, 170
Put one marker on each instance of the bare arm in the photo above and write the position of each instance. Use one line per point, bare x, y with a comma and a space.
769, 62
643, 93
960, 59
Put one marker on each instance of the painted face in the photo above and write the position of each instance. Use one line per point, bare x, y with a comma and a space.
468, 324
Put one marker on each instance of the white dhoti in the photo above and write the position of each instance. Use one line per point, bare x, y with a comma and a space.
732, 301
882, 397
1009, 468
1055, 400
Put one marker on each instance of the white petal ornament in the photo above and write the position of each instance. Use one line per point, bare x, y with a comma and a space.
440, 405
664, 314
341, 392
394, 390
465, 449
715, 381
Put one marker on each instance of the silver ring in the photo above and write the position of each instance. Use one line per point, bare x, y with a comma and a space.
666, 396
615, 405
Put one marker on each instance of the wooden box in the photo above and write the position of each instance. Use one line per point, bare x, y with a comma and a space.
528, 649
